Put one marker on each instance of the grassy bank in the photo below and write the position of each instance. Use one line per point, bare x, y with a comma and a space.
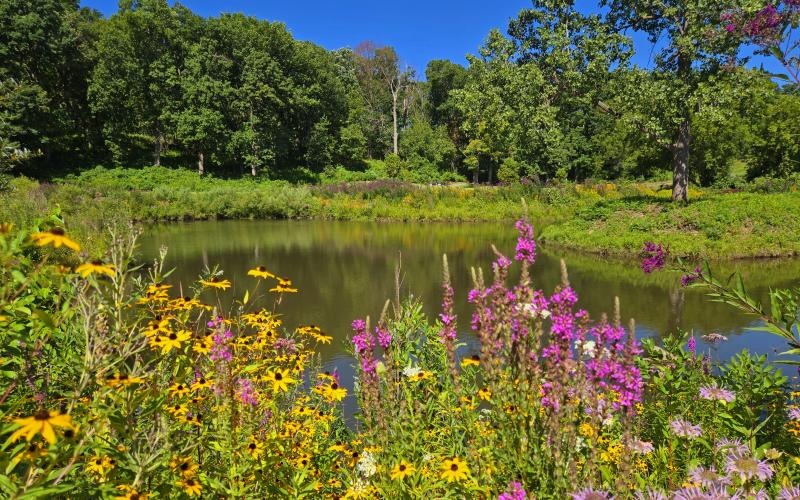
601, 218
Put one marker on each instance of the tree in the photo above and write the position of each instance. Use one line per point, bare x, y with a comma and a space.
689, 57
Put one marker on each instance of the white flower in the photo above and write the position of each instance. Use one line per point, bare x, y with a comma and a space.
427, 457
544, 314
588, 347
366, 464
411, 371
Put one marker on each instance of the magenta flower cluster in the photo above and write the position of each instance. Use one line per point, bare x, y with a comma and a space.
220, 349
653, 257
364, 342
526, 245
515, 491
247, 393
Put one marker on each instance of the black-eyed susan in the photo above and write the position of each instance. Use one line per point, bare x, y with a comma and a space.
122, 380
56, 237
130, 493
473, 360
33, 452
485, 394
338, 447
255, 448
191, 486
192, 418
454, 469
332, 392
280, 380
174, 340
179, 390
204, 344
42, 423
159, 324
283, 286
100, 465
178, 409
421, 376
95, 267
184, 466
402, 469
202, 383
260, 272
215, 282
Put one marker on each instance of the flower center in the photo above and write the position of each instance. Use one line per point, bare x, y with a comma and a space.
278, 376
454, 467
402, 467
42, 415
58, 231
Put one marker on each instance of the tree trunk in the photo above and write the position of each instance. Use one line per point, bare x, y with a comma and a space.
157, 150
475, 176
201, 165
680, 162
490, 172
253, 170
394, 123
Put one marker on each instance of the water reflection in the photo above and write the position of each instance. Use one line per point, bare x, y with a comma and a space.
345, 270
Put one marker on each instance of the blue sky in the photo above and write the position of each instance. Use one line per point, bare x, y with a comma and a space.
420, 30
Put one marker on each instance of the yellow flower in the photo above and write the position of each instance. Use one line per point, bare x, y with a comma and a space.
586, 430
280, 380
485, 394
215, 282
454, 469
402, 469
174, 340
122, 379
95, 267
191, 418
178, 390
191, 486
283, 286
183, 466
332, 392
178, 410
422, 375
56, 237
202, 383
255, 448
41, 423
31, 454
130, 493
100, 465
473, 360
6, 227
260, 272
203, 345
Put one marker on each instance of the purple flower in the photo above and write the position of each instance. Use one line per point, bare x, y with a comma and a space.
650, 494
641, 447
247, 393
514, 492
789, 493
746, 467
688, 279
691, 345
526, 246
707, 477
717, 394
794, 413
220, 350
691, 493
591, 494
653, 257
384, 337
732, 446
362, 339
684, 429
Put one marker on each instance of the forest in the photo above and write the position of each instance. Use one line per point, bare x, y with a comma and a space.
554, 97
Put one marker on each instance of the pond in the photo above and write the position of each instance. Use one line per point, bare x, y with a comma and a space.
346, 270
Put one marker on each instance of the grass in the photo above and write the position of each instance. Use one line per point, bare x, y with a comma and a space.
604, 218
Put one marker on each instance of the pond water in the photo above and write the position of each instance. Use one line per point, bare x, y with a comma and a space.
346, 270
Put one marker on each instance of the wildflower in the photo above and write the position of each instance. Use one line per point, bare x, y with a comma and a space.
650, 494
191, 486
177, 410
366, 465
591, 494
122, 379
260, 272
41, 423
100, 465
747, 467
215, 282
33, 452
653, 257
422, 375
682, 428
280, 380
794, 413
691, 345
178, 390
692, 493
514, 492
586, 430
130, 493
707, 477
184, 466
732, 446
174, 340
411, 371
688, 279
202, 383
6, 227
717, 394
283, 286
789, 493
384, 337
454, 469
641, 447
95, 267
526, 245
402, 469
255, 448
473, 360
485, 394
332, 392
56, 237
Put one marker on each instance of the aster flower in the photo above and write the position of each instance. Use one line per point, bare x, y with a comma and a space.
732, 446
690, 493
682, 428
789, 493
641, 447
650, 494
794, 413
717, 394
746, 467
591, 494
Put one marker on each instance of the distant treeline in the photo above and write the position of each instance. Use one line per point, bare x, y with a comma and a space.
554, 97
